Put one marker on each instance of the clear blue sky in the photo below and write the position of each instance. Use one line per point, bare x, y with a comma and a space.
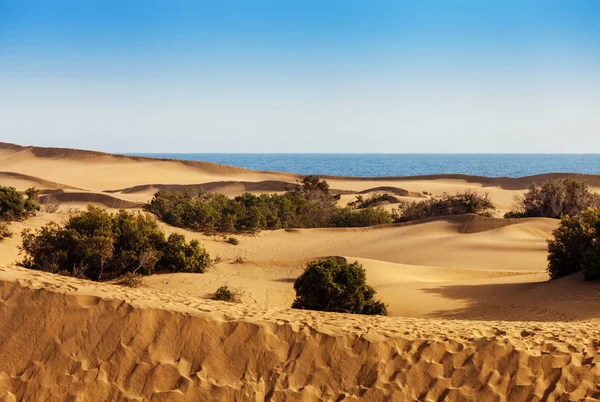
302, 76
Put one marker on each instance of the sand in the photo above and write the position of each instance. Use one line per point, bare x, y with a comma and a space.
472, 315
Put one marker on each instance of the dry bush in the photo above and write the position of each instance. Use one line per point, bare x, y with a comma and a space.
554, 199
50, 205
131, 279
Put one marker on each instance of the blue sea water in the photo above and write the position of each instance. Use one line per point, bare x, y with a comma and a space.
377, 165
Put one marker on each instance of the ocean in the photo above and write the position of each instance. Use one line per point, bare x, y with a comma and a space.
378, 165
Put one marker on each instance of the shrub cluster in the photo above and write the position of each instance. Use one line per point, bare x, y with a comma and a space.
98, 245
555, 198
467, 202
15, 207
575, 246
332, 284
309, 205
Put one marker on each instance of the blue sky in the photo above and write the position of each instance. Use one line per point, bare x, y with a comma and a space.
302, 76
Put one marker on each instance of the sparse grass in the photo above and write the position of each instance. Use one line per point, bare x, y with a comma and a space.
225, 293
238, 260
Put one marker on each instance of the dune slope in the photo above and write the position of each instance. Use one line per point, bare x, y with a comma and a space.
101, 342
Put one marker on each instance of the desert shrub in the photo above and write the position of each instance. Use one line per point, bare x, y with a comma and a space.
50, 204
4, 231
225, 293
131, 279
332, 284
575, 246
555, 198
309, 205
368, 216
372, 201
97, 245
232, 240
467, 202
14, 206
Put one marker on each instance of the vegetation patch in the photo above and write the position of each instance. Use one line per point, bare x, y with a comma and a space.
575, 246
467, 202
554, 199
225, 293
97, 245
308, 205
15, 206
232, 240
331, 284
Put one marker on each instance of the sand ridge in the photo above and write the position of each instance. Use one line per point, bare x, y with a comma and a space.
117, 343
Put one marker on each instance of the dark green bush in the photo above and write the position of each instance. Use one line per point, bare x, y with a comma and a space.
555, 198
368, 216
97, 245
225, 293
575, 246
332, 284
309, 205
467, 202
14, 206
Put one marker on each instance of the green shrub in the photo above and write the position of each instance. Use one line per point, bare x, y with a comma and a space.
225, 293
555, 198
332, 284
467, 202
4, 231
575, 246
97, 245
368, 216
14, 206
309, 205
232, 240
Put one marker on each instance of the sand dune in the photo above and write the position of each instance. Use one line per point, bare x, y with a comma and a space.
117, 343
472, 314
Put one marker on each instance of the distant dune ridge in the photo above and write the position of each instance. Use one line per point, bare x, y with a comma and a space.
473, 314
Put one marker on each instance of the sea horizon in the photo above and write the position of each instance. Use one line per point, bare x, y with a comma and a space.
401, 164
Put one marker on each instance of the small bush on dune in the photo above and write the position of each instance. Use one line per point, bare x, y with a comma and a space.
555, 198
233, 241
467, 202
332, 284
575, 246
225, 293
4, 231
14, 206
97, 245
131, 279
